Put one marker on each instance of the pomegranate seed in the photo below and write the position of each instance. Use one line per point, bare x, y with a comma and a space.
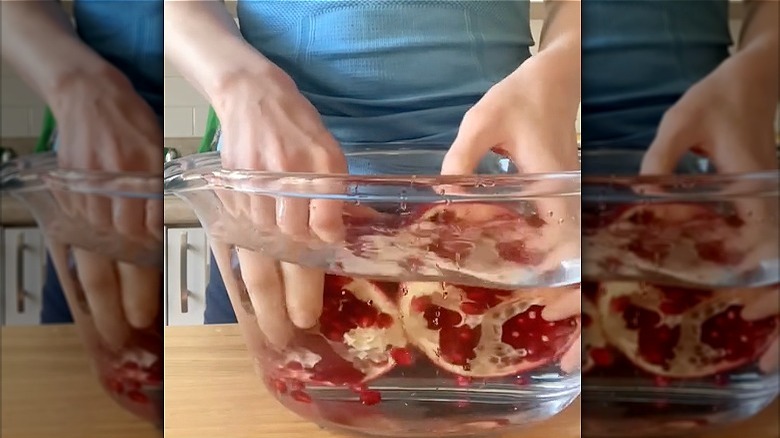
279, 386
335, 336
661, 382
137, 396
384, 320
462, 380
470, 308
370, 398
358, 388
295, 366
300, 396
602, 356
419, 304
522, 380
401, 356
296, 385
619, 304
114, 385
366, 321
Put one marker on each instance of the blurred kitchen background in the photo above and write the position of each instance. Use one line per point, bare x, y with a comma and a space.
186, 113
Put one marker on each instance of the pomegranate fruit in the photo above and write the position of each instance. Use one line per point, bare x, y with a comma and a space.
688, 242
479, 332
596, 350
358, 338
683, 333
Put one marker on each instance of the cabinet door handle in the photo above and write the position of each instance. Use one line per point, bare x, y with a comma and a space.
184, 293
21, 294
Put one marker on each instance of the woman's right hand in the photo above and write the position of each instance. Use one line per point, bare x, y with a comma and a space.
268, 125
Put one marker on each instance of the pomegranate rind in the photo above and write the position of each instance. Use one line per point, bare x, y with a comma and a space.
686, 363
485, 363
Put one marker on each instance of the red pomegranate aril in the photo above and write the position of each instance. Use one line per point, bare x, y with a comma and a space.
296, 385
458, 343
742, 339
366, 320
401, 356
335, 335
462, 381
279, 386
470, 308
384, 321
294, 366
439, 317
619, 304
602, 357
370, 398
300, 396
522, 380
420, 304
357, 389
661, 382
137, 397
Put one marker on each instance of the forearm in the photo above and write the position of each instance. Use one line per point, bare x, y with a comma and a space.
39, 42
205, 45
558, 60
758, 43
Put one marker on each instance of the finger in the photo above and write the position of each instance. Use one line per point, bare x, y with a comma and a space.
263, 280
326, 219
154, 218
129, 216
567, 305
766, 305
262, 211
769, 361
292, 215
99, 212
304, 292
98, 277
473, 141
572, 359
141, 293
675, 136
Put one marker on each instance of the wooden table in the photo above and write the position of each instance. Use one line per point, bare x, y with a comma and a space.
49, 390
211, 391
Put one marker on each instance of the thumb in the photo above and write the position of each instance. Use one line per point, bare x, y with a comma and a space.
470, 145
674, 138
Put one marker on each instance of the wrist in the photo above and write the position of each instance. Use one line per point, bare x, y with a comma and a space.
552, 80
89, 82
251, 82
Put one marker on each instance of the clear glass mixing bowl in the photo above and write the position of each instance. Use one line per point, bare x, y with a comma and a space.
669, 263
431, 322
104, 235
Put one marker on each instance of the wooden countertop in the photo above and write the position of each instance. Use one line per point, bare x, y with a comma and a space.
212, 391
49, 390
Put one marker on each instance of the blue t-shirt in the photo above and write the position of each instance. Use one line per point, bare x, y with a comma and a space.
391, 70
638, 58
129, 35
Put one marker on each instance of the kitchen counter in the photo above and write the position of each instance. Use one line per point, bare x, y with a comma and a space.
49, 390
212, 391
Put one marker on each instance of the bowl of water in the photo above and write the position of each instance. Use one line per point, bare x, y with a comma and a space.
427, 301
669, 265
103, 234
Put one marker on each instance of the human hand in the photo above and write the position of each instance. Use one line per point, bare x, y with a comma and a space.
269, 126
104, 126
767, 305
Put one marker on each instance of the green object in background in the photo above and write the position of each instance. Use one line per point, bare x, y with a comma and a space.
45, 143
212, 125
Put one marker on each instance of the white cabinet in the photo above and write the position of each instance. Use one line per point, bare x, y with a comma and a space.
187, 274
24, 272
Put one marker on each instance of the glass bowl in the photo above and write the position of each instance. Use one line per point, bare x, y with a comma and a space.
669, 264
104, 236
431, 296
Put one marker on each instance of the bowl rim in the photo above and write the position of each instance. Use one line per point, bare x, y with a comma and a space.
40, 171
